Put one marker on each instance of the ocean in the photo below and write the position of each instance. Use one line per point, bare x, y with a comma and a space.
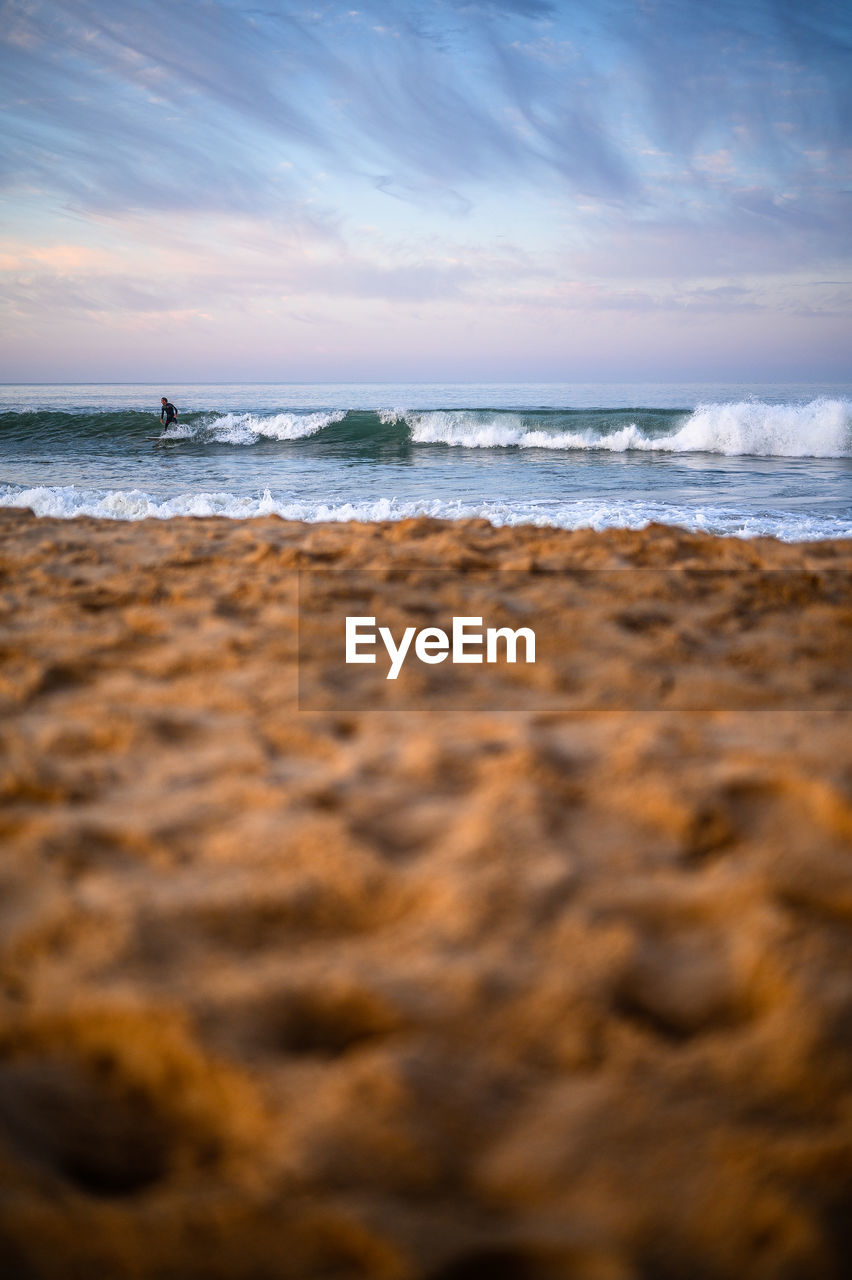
736, 460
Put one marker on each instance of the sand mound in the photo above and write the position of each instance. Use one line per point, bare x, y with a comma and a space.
531, 993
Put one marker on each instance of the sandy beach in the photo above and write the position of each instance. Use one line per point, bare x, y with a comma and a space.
530, 974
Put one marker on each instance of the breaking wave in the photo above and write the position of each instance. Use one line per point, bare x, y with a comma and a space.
248, 428
68, 502
819, 429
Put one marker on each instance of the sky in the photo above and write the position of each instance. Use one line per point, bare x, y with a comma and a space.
506, 190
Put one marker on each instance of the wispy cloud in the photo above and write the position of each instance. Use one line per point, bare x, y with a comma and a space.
622, 157
172, 103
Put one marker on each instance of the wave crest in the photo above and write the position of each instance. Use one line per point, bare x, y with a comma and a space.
821, 428
248, 428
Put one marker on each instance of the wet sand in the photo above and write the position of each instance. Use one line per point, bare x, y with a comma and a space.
401, 988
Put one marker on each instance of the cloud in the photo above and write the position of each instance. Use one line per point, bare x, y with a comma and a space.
164, 264
265, 273
174, 104
526, 8
454, 162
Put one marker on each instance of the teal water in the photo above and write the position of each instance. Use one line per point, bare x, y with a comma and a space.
739, 460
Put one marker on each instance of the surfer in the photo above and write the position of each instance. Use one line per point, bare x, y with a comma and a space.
168, 413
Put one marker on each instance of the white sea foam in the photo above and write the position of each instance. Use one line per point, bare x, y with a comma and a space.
248, 428
820, 429
68, 502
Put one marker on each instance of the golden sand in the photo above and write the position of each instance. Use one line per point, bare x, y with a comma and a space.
556, 991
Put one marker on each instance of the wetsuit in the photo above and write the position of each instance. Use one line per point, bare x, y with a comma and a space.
169, 412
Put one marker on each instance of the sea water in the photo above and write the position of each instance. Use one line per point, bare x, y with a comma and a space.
741, 460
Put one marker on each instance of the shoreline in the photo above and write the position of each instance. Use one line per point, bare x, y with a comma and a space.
550, 988
428, 523
164, 512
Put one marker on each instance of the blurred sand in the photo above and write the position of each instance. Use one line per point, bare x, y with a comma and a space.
448, 994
